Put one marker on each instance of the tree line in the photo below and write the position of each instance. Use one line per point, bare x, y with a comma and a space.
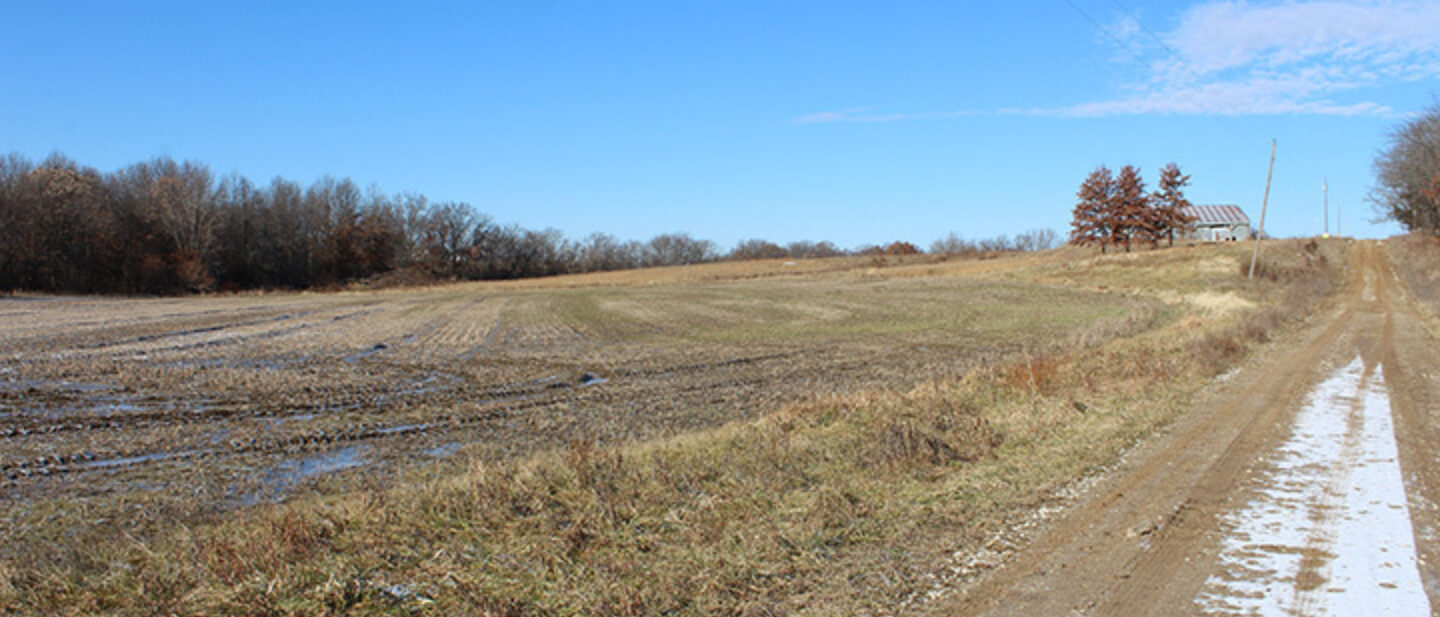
164, 227
1116, 209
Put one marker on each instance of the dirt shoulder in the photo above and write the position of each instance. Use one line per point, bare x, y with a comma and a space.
1145, 540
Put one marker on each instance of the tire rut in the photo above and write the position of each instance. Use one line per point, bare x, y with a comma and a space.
1145, 539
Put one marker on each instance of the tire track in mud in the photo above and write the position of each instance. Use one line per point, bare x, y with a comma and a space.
494, 404
214, 391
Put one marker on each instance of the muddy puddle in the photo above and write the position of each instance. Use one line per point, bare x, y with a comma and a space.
376, 349
443, 451
52, 386
280, 479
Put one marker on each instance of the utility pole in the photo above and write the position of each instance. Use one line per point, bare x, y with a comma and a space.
1327, 207
1264, 203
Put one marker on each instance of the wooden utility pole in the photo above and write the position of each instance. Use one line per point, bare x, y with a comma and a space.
1264, 203
1327, 207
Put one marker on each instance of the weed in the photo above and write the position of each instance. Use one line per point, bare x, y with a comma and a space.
704, 477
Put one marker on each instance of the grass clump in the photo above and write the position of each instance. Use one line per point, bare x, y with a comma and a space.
835, 504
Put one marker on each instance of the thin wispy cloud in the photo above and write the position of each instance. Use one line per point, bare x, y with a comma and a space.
1233, 58
853, 114
869, 114
1243, 58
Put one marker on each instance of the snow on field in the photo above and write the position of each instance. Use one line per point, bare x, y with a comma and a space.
1329, 532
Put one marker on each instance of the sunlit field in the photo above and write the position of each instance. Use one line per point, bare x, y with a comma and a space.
707, 402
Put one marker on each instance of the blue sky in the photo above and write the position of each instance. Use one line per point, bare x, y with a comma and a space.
850, 122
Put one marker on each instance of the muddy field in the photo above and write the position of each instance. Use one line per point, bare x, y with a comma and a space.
235, 400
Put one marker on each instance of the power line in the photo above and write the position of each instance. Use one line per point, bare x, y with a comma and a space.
1155, 37
1146, 65
1106, 31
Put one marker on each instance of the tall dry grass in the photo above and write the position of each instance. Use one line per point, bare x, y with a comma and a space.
837, 504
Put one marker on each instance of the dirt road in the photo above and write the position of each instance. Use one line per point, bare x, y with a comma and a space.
1304, 484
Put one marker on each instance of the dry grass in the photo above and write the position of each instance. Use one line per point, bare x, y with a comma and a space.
833, 502
1416, 258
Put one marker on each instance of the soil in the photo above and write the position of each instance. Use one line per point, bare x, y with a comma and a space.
233, 400
1165, 533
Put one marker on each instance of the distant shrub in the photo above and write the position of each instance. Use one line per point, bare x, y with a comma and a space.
902, 248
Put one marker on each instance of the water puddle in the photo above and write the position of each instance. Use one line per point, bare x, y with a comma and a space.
282, 420
443, 451
263, 364
1330, 533
286, 474
126, 461
401, 429
52, 386
294, 470
374, 349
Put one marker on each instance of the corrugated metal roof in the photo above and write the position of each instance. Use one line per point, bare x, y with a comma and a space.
1217, 215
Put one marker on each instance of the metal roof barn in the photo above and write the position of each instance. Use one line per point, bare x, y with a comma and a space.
1217, 223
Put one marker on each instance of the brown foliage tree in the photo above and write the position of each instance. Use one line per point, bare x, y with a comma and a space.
1130, 212
1117, 210
1168, 203
902, 248
1092, 222
756, 248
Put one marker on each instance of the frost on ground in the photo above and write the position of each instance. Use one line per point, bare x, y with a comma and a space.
1330, 532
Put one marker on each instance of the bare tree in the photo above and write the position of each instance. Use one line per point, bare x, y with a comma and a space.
1407, 174
289, 228
1036, 240
806, 249
600, 252
241, 242
677, 249
997, 244
756, 248
15, 221
160, 226
953, 244
452, 229
61, 228
164, 200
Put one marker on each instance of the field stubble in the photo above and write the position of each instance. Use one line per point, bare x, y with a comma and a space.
762, 444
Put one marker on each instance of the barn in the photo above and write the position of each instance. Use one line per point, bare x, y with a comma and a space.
1218, 223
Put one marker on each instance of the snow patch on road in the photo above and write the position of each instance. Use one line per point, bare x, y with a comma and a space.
1330, 532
